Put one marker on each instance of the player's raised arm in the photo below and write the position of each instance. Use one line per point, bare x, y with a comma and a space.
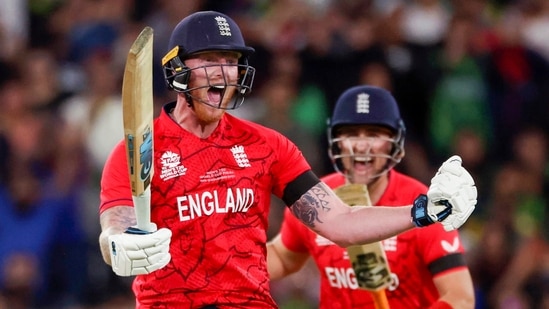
451, 199
127, 249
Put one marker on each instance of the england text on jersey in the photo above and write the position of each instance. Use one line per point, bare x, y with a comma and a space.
207, 203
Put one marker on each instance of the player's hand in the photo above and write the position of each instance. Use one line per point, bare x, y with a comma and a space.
451, 198
133, 253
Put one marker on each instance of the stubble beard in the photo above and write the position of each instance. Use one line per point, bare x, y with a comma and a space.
207, 114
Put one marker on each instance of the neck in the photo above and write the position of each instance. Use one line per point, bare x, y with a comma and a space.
186, 117
378, 187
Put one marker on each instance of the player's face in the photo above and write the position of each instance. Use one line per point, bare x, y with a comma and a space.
365, 151
212, 81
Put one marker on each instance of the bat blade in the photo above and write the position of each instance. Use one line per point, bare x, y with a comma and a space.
138, 112
369, 261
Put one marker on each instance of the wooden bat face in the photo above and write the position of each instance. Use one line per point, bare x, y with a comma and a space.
369, 261
137, 101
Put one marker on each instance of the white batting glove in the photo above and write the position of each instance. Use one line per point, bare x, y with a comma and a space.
138, 253
451, 198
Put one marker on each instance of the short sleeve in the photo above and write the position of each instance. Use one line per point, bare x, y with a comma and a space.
289, 165
115, 180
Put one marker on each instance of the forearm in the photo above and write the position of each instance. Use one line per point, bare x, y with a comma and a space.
455, 289
369, 224
281, 261
114, 221
322, 211
275, 267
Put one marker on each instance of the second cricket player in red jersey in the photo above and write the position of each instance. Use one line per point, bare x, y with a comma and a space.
427, 265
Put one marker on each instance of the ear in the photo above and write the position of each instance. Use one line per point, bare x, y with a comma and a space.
401, 155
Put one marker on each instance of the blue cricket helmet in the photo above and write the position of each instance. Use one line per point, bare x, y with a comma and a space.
201, 32
208, 30
366, 105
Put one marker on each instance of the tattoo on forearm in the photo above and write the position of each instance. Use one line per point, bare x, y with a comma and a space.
308, 207
126, 217
121, 217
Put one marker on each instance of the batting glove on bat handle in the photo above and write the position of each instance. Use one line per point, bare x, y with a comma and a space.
450, 200
138, 253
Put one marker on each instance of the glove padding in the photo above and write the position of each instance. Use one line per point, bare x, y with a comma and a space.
451, 198
138, 253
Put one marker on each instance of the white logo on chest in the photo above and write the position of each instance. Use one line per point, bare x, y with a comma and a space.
240, 156
171, 165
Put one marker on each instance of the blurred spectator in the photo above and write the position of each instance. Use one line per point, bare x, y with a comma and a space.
376, 73
460, 97
424, 22
42, 79
20, 278
531, 150
531, 153
14, 28
473, 149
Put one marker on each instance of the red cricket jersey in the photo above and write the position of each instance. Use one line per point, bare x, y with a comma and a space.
213, 194
414, 257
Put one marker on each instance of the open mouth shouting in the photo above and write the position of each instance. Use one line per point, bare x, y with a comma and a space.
216, 94
362, 164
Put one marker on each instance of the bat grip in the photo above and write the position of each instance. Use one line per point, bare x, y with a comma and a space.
142, 206
380, 299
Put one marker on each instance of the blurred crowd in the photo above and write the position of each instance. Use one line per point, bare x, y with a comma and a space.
471, 78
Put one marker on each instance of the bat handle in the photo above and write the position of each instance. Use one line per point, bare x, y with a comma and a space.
380, 299
142, 206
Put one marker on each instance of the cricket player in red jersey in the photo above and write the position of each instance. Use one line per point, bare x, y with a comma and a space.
213, 179
427, 265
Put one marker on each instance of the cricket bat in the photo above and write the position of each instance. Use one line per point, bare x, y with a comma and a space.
138, 112
369, 261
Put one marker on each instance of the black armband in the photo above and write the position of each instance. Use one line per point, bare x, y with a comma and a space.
447, 262
297, 187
